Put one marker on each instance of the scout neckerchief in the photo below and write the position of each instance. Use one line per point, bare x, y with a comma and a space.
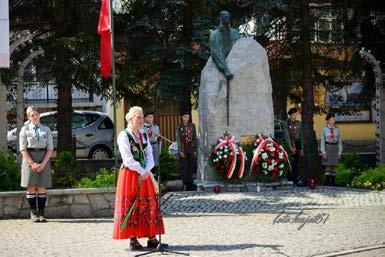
331, 134
186, 134
150, 132
292, 132
36, 128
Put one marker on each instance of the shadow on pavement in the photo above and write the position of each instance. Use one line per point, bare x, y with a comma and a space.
217, 247
220, 248
82, 221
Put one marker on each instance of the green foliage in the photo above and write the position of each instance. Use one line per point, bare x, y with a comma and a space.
344, 176
104, 178
248, 149
347, 169
169, 165
350, 161
9, 172
65, 171
371, 179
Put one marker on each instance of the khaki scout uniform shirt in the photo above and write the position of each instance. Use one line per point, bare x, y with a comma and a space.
35, 136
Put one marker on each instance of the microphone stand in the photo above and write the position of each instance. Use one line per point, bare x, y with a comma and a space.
162, 248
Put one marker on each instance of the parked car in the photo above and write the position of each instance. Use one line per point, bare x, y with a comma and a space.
93, 132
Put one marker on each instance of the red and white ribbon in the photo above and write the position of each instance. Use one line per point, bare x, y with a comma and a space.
260, 147
230, 140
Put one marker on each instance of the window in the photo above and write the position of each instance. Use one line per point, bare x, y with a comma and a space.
328, 26
106, 124
83, 120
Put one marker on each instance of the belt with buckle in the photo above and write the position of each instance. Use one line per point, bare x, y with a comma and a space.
36, 149
330, 143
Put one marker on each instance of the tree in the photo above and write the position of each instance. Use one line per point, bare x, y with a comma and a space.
310, 142
166, 45
66, 30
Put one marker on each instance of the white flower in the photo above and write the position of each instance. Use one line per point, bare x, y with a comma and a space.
225, 156
220, 157
254, 151
270, 168
272, 149
264, 156
280, 155
273, 163
221, 147
216, 160
281, 165
264, 165
280, 172
265, 171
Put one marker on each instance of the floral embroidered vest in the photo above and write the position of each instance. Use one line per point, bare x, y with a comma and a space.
138, 151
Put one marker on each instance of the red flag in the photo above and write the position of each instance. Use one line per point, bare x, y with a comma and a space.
104, 30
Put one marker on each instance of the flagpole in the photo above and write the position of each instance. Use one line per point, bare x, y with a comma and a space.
113, 85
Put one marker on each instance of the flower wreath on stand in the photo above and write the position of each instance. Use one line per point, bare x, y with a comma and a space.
270, 160
228, 158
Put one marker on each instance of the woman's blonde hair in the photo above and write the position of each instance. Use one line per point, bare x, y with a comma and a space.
31, 109
131, 113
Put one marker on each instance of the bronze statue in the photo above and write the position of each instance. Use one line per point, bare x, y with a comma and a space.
221, 41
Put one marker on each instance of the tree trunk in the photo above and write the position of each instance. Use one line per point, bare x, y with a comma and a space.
64, 110
280, 101
186, 43
310, 142
3, 117
64, 87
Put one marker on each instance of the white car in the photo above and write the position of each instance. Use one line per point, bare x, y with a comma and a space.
93, 131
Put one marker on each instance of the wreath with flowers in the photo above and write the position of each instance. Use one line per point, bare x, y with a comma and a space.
228, 158
269, 158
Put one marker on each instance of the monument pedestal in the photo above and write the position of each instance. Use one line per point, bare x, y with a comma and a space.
208, 186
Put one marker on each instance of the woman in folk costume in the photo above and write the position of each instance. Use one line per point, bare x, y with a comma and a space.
331, 148
137, 212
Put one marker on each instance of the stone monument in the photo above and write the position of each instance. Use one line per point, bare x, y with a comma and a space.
234, 94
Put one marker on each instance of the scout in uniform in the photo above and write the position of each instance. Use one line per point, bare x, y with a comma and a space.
153, 133
294, 138
186, 138
331, 148
36, 147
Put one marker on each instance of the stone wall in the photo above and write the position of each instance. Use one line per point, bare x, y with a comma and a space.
62, 203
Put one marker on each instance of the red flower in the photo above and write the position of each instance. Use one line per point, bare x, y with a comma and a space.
217, 189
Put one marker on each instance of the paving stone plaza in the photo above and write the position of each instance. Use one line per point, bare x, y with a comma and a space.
297, 222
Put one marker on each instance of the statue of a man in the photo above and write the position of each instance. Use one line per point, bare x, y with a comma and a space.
221, 41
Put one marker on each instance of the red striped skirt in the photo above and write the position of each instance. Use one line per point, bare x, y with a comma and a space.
145, 220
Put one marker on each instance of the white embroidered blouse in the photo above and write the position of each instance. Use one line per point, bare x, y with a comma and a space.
128, 158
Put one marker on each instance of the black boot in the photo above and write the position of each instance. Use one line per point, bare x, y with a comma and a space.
333, 179
31, 199
41, 200
327, 179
